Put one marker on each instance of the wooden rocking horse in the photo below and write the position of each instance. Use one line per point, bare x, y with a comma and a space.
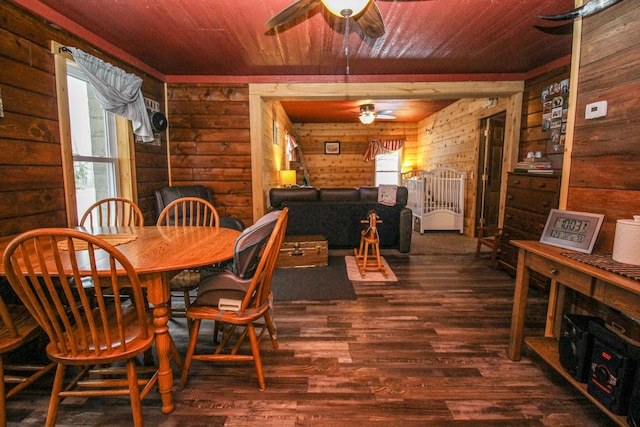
368, 255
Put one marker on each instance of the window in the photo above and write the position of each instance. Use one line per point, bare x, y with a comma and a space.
96, 146
388, 168
93, 143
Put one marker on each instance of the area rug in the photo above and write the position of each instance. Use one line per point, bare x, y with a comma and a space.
371, 275
313, 283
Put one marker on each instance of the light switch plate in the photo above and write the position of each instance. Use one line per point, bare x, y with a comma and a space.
595, 110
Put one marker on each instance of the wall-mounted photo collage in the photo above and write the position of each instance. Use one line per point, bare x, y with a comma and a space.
555, 107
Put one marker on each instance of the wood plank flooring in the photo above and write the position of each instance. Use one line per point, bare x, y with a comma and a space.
429, 350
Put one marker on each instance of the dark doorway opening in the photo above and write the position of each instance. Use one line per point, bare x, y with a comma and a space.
490, 170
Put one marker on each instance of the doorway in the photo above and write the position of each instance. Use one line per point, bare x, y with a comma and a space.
490, 170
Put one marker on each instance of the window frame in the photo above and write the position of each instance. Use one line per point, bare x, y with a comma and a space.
398, 169
125, 178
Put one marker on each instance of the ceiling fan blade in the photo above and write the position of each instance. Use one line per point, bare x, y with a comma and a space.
291, 12
385, 116
594, 6
371, 21
384, 112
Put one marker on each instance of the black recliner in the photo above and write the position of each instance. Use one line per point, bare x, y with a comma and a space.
168, 194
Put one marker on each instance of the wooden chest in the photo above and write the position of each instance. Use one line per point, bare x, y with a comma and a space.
303, 251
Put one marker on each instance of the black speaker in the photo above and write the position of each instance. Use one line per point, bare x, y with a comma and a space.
633, 417
576, 344
613, 365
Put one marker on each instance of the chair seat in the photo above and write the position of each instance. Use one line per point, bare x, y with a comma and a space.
135, 342
25, 324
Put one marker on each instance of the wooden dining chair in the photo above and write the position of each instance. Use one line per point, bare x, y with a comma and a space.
187, 211
239, 309
17, 329
45, 267
113, 211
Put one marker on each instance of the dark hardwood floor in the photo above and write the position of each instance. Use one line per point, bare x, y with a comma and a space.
429, 350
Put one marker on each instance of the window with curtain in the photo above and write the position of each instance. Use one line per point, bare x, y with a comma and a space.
388, 167
96, 144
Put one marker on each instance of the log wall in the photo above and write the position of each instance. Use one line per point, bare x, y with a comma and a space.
209, 143
31, 188
347, 169
605, 156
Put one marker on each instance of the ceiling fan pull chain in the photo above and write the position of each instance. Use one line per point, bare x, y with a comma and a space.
346, 43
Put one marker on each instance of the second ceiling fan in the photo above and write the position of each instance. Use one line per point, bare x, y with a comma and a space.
368, 114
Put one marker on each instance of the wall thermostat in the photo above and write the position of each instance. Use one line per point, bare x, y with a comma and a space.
595, 110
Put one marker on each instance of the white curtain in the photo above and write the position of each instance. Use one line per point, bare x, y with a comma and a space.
117, 91
380, 146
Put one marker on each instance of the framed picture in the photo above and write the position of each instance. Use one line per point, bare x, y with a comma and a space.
572, 230
332, 147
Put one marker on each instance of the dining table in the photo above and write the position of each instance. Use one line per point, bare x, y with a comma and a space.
157, 254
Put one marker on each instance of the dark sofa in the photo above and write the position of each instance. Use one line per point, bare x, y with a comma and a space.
336, 213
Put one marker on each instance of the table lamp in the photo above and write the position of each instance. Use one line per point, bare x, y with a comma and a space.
287, 178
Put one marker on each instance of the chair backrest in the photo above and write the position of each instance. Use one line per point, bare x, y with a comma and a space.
112, 211
189, 211
259, 292
250, 245
46, 268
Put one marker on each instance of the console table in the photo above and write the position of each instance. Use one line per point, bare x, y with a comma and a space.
609, 288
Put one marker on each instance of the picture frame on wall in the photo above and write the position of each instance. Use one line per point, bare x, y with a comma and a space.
572, 230
332, 147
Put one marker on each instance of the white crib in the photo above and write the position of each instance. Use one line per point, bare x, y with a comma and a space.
436, 198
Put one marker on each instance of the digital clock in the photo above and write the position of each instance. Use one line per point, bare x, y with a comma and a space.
572, 230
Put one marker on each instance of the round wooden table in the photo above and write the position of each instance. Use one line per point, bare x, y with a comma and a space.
157, 253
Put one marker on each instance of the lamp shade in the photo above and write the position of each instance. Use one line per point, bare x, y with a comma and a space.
345, 8
366, 118
287, 177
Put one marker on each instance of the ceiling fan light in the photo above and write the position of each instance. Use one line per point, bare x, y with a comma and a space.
345, 8
366, 118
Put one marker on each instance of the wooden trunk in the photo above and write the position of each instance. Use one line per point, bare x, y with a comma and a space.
303, 251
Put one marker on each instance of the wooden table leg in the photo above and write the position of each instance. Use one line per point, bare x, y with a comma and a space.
551, 309
519, 307
158, 293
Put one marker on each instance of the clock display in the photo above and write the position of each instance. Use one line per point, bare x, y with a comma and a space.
569, 237
571, 224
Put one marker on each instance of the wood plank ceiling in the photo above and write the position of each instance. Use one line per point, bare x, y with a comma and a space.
425, 40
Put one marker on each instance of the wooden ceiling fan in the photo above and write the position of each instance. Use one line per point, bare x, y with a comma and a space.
364, 12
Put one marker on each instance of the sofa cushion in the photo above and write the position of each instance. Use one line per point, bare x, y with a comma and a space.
339, 194
280, 197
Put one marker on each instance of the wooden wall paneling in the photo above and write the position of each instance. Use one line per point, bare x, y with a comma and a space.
32, 166
605, 150
209, 133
